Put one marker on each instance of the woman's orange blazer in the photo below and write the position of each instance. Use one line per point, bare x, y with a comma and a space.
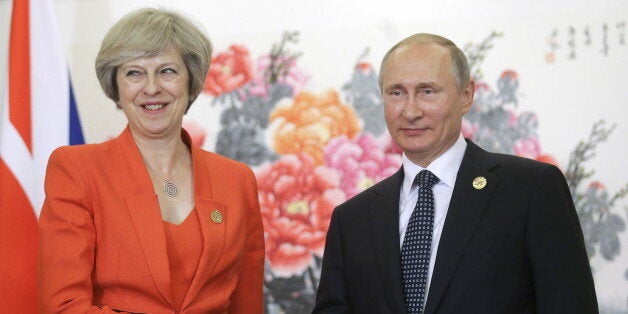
102, 244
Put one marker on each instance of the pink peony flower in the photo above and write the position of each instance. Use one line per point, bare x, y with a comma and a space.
469, 129
361, 162
296, 199
482, 87
390, 147
197, 133
513, 119
229, 70
529, 148
295, 77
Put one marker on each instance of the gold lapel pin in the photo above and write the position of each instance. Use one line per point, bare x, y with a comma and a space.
216, 216
479, 183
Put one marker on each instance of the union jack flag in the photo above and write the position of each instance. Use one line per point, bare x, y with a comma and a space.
37, 114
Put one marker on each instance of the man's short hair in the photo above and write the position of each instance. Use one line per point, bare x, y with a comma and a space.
459, 64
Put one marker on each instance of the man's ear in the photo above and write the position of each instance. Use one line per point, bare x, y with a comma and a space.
467, 96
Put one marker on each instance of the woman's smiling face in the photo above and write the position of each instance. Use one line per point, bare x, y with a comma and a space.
154, 93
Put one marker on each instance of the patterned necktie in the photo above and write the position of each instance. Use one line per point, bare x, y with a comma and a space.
417, 244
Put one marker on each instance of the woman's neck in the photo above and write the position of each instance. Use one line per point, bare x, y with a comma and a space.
161, 154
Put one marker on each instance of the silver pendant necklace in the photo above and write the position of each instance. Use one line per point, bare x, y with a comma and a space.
169, 188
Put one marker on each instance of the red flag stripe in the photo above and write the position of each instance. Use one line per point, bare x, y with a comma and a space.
19, 72
18, 247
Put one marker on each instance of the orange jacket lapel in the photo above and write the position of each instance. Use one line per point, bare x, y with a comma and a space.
212, 227
143, 207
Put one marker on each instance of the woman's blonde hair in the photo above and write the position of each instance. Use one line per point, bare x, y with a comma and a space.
145, 33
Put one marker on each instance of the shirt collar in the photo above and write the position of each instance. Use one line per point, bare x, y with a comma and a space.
445, 167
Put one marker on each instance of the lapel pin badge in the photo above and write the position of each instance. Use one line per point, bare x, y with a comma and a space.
216, 216
479, 183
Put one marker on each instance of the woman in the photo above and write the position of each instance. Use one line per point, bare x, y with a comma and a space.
147, 222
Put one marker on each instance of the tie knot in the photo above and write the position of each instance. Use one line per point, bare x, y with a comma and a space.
426, 179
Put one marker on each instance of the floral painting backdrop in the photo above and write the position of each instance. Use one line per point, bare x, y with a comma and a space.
313, 150
303, 109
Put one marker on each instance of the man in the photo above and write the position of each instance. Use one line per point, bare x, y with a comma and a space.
484, 232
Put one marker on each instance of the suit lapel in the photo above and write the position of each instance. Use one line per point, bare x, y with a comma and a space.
214, 232
466, 209
146, 217
384, 222
143, 207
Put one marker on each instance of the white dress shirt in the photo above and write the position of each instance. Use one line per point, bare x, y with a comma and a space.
445, 167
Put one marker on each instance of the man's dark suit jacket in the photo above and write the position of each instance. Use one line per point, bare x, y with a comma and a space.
514, 246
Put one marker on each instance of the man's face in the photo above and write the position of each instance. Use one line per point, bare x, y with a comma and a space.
423, 106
